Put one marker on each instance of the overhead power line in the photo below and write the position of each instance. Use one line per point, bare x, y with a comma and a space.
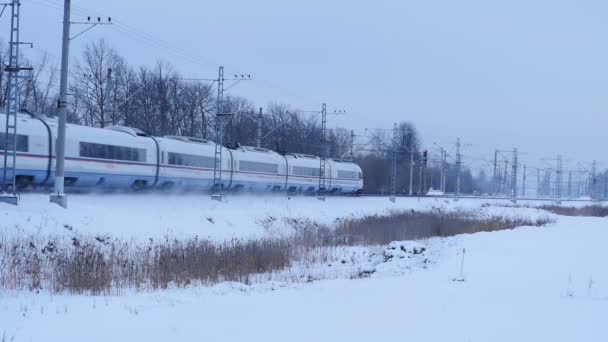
151, 40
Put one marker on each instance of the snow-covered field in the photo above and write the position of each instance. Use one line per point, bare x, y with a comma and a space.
156, 216
526, 284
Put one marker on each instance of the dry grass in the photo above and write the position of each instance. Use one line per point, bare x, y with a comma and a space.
100, 265
379, 230
592, 210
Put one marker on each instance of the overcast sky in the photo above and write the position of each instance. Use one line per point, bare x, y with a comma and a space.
531, 74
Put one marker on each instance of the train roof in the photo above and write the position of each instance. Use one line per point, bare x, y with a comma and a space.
256, 152
255, 149
192, 140
302, 156
136, 132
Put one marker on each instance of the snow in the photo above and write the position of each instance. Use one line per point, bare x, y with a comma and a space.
143, 216
527, 284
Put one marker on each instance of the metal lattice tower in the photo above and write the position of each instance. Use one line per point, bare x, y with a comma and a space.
9, 180
538, 187
219, 138
514, 177
495, 179
570, 184
505, 179
558, 179
323, 154
523, 182
548, 182
258, 139
443, 170
394, 164
593, 181
352, 145
458, 168
606, 187
411, 185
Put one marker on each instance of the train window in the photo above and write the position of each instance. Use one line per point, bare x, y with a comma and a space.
22, 142
245, 165
306, 171
190, 160
102, 151
347, 174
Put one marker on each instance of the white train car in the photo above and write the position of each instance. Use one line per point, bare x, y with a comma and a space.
258, 169
189, 163
346, 177
341, 176
114, 157
122, 157
303, 173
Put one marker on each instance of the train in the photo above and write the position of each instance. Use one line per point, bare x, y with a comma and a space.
120, 157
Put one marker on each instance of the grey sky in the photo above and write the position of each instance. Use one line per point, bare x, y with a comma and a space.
530, 74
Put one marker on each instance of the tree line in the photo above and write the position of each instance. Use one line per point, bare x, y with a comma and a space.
106, 90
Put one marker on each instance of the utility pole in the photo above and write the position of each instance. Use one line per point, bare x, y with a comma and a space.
420, 179
587, 184
558, 180
606, 186
495, 178
107, 111
443, 171
394, 164
499, 180
424, 164
505, 178
58, 195
411, 165
323, 156
514, 177
458, 169
570, 184
538, 192
548, 182
593, 182
352, 145
523, 182
258, 140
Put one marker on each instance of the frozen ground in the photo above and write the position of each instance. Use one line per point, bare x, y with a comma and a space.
142, 216
527, 284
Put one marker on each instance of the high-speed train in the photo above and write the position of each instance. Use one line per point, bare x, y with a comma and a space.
124, 157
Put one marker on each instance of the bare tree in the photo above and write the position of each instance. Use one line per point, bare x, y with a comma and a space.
89, 84
38, 87
241, 128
